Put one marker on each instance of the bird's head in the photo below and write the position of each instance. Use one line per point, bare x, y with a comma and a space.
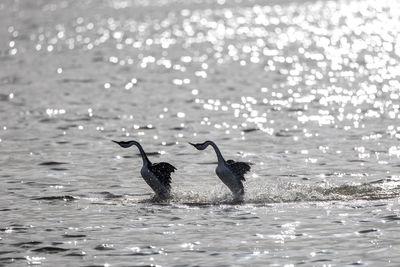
201, 146
126, 144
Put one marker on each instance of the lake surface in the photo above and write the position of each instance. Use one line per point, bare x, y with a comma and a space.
306, 91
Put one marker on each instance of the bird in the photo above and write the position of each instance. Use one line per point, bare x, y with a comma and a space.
156, 175
230, 172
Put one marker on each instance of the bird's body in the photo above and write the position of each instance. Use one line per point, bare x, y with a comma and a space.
230, 172
228, 178
156, 175
152, 180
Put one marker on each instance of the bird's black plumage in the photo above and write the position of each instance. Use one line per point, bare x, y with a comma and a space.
230, 172
156, 175
238, 168
163, 172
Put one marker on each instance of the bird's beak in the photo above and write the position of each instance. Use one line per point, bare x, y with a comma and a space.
191, 144
115, 141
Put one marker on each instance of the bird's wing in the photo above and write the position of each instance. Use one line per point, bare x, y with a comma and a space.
163, 171
238, 168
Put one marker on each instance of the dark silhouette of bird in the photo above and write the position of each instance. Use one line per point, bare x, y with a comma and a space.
230, 172
156, 175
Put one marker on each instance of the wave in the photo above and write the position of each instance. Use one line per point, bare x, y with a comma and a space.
258, 194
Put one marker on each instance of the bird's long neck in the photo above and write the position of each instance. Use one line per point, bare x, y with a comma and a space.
146, 161
219, 155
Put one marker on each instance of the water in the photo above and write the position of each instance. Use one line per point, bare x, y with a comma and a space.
306, 91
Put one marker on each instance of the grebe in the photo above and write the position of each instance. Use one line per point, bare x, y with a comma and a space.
230, 172
156, 175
